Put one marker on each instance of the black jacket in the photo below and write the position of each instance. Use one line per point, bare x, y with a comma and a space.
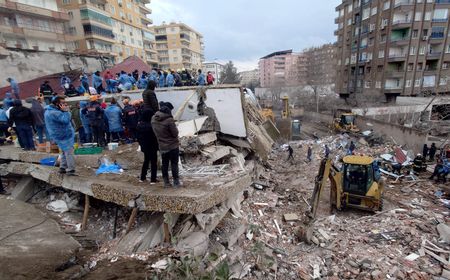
150, 100
166, 131
20, 116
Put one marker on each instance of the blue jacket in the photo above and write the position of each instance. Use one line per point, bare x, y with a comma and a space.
3, 117
8, 101
161, 80
96, 81
201, 79
64, 80
84, 79
59, 127
94, 114
170, 80
153, 76
123, 79
14, 86
84, 119
114, 116
142, 83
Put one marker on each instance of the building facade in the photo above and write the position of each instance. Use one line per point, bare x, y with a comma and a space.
249, 77
392, 48
179, 47
215, 68
118, 28
318, 65
279, 69
34, 25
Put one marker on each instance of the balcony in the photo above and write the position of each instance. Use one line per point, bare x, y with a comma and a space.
146, 21
400, 24
434, 55
442, 1
400, 40
396, 57
144, 10
400, 3
27, 9
395, 73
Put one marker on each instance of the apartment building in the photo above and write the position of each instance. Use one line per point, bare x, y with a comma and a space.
249, 77
179, 46
318, 64
117, 28
215, 68
34, 25
392, 48
279, 69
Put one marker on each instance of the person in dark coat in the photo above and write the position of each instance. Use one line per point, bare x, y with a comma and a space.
291, 153
425, 151
95, 116
23, 119
130, 115
432, 151
166, 133
309, 154
149, 145
47, 92
38, 120
149, 96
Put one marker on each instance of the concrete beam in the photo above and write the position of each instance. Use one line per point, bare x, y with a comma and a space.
24, 189
196, 196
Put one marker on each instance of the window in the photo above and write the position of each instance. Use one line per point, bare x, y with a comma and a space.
412, 50
366, 13
128, 51
113, 10
419, 66
72, 30
445, 65
378, 84
415, 33
417, 83
410, 66
418, 16
447, 49
381, 54
349, 8
66, 1
425, 32
129, 5
427, 16
429, 81
382, 38
380, 68
349, 21
70, 14
408, 83
440, 15
368, 84
122, 15
386, 5
437, 32
422, 50
443, 81
374, 11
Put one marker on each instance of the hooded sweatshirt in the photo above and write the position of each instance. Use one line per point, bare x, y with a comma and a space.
165, 130
59, 126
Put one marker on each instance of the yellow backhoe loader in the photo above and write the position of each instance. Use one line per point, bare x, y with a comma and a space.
357, 185
345, 122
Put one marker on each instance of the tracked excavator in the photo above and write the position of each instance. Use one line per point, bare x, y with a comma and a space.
356, 185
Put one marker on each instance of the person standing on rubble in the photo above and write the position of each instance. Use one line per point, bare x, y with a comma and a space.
291, 153
327, 151
149, 145
166, 133
309, 154
351, 148
432, 151
113, 114
38, 119
95, 115
130, 119
23, 119
170, 79
85, 122
58, 121
425, 151
14, 87
149, 97
201, 79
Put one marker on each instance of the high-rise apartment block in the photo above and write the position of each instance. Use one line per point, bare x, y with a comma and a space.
34, 25
279, 69
118, 28
318, 64
393, 47
179, 46
249, 77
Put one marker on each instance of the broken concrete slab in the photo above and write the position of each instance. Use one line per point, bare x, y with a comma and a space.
206, 138
196, 196
444, 232
24, 189
31, 243
291, 217
195, 244
215, 153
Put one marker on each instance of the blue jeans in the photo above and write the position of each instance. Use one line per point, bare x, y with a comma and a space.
40, 132
25, 134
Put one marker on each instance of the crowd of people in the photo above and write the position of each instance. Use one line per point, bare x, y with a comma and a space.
114, 83
146, 121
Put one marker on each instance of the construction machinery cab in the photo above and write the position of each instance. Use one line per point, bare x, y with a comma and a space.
344, 121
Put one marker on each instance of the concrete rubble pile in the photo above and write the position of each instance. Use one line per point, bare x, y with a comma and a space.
407, 240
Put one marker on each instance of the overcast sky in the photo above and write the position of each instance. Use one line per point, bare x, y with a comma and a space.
244, 31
